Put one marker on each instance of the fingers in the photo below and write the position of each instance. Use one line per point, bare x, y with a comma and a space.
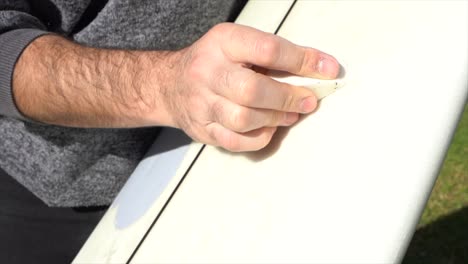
236, 142
248, 45
236, 107
243, 119
255, 90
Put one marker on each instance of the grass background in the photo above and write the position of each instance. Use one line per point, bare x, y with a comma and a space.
442, 233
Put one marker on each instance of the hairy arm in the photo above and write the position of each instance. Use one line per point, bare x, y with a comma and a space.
210, 89
60, 82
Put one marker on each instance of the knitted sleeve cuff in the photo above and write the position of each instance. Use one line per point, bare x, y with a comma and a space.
12, 44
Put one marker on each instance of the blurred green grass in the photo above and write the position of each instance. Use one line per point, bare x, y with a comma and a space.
442, 232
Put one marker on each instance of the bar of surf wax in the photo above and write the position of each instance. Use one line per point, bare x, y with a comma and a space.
321, 88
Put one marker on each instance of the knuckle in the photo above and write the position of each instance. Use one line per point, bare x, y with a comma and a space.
288, 98
277, 118
309, 60
301, 62
217, 111
288, 102
268, 49
240, 119
224, 79
247, 89
220, 28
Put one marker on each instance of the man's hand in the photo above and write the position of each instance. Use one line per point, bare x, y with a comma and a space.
211, 89
219, 99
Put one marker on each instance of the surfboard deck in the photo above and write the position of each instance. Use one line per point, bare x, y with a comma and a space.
348, 183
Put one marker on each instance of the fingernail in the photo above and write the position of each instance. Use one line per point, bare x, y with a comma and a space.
328, 66
290, 118
308, 104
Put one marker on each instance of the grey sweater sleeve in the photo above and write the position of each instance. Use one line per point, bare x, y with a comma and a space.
18, 27
12, 44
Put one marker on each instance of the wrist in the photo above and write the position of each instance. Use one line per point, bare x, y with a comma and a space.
154, 81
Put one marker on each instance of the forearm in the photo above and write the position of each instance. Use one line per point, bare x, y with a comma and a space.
60, 82
207, 89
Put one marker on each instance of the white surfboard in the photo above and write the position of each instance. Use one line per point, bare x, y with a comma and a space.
348, 183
